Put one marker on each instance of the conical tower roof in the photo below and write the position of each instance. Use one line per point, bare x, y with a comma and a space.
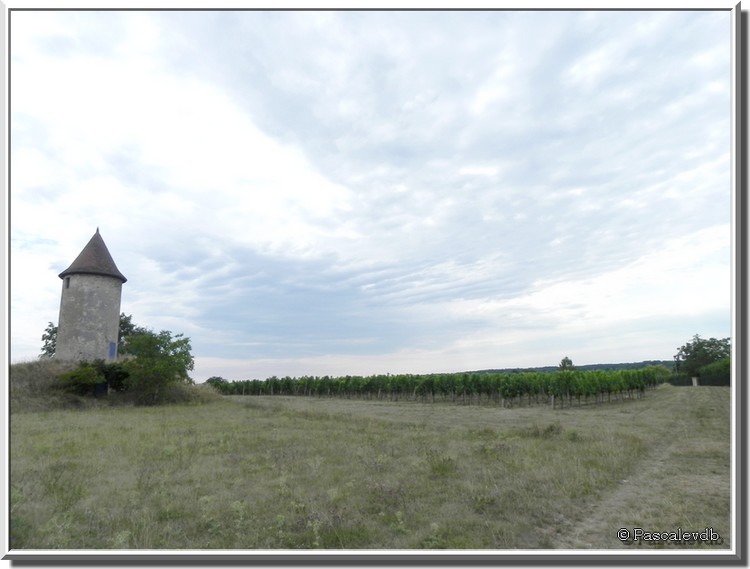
94, 260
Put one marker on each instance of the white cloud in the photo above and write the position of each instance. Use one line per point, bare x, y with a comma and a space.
688, 276
500, 87
339, 206
489, 171
226, 176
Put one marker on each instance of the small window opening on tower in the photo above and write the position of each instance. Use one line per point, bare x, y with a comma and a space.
67, 282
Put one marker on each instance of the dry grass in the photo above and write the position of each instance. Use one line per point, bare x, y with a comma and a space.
304, 473
36, 386
33, 385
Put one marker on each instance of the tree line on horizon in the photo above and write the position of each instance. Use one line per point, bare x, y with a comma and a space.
669, 364
154, 361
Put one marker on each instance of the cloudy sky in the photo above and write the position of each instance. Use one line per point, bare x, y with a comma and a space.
369, 192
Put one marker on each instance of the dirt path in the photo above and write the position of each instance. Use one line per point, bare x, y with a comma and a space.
683, 466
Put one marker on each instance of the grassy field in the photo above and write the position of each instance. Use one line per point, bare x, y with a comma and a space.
307, 473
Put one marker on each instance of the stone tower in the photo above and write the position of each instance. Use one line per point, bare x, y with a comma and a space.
89, 322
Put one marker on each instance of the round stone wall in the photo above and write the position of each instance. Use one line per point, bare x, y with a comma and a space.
89, 322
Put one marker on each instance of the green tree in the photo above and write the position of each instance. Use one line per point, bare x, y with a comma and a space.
218, 383
127, 329
159, 361
49, 341
694, 355
718, 372
565, 363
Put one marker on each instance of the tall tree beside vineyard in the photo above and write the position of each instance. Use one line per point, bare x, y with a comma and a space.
699, 353
565, 363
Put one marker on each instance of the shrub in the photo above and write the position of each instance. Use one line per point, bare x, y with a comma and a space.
81, 380
84, 379
680, 379
716, 373
114, 374
159, 362
190, 394
661, 373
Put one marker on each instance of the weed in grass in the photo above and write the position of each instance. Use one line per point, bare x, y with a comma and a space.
314, 463
440, 465
483, 502
121, 540
346, 537
434, 540
63, 482
550, 431
573, 436
493, 450
386, 495
314, 525
57, 531
482, 434
399, 525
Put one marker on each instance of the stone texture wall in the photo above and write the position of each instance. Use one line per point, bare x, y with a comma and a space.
89, 322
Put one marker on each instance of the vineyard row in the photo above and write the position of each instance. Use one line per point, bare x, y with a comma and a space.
558, 388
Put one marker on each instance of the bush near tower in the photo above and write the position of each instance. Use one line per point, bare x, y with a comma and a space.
159, 361
153, 363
